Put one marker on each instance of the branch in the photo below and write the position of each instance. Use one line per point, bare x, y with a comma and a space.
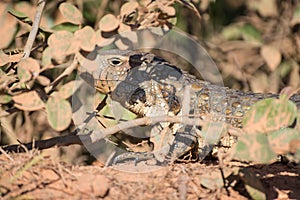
96, 136
35, 28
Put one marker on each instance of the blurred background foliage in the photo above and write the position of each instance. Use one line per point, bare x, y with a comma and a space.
255, 44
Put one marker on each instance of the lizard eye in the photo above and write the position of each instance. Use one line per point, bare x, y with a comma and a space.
115, 61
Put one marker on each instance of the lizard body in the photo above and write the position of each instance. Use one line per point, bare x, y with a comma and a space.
148, 85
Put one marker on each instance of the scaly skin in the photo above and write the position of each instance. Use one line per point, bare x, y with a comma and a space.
149, 86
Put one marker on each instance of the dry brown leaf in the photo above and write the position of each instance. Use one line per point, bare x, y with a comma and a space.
169, 10
87, 38
259, 82
267, 8
294, 79
29, 101
128, 8
271, 55
3, 58
31, 65
8, 26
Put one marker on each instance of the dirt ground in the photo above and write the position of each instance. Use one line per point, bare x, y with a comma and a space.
35, 175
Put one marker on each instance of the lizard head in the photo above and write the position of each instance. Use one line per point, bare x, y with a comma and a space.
113, 69
115, 66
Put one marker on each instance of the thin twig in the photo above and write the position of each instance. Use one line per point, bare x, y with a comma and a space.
95, 136
35, 28
66, 73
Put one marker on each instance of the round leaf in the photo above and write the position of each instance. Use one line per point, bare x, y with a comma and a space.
87, 38
71, 13
4, 98
129, 7
108, 23
269, 115
28, 101
60, 43
59, 113
8, 26
66, 90
27, 68
254, 147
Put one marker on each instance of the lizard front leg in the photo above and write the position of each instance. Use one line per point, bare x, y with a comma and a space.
171, 141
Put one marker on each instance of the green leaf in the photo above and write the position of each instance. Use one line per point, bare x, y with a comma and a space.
59, 113
5, 98
67, 26
20, 16
23, 74
66, 90
251, 34
296, 16
269, 115
254, 147
231, 32
280, 140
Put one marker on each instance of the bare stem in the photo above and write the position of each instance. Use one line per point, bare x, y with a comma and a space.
95, 136
35, 28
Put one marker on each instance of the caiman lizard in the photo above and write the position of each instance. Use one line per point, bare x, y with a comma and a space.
149, 85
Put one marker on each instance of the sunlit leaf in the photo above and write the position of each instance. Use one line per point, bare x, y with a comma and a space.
71, 13
280, 140
128, 8
271, 55
267, 8
47, 56
269, 115
60, 43
27, 68
66, 90
254, 147
24, 75
108, 23
4, 59
8, 27
28, 101
44, 81
87, 38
